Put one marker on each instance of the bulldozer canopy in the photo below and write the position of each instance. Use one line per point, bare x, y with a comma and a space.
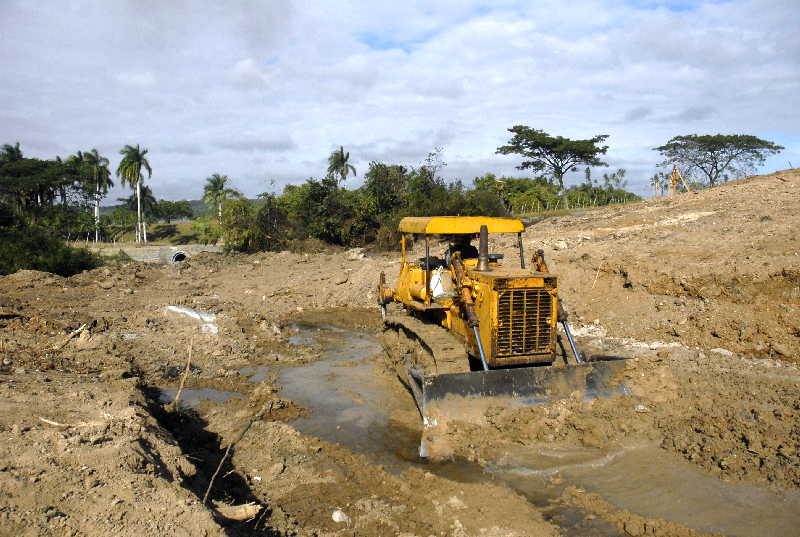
446, 225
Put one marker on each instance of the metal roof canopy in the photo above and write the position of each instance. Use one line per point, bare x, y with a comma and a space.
446, 225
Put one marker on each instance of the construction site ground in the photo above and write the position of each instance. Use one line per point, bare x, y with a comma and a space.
701, 290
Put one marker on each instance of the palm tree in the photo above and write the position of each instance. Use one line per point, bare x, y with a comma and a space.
101, 181
146, 200
130, 171
338, 165
657, 182
214, 192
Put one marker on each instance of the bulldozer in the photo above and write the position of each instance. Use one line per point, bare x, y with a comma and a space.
468, 330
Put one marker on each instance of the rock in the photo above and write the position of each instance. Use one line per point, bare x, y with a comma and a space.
339, 280
7, 361
456, 503
723, 352
780, 349
354, 254
634, 527
560, 245
340, 516
277, 469
20, 371
106, 284
641, 408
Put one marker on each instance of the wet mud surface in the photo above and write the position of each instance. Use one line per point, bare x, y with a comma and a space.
291, 427
352, 401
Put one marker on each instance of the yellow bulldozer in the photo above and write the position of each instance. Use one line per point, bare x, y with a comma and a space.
467, 329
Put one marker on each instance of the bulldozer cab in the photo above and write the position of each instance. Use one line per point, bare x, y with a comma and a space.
458, 230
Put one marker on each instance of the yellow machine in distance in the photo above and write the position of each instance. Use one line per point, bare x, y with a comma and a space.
473, 325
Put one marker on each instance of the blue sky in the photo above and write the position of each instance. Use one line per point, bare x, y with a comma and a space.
264, 90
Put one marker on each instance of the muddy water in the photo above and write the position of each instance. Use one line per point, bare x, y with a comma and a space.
193, 398
650, 482
352, 405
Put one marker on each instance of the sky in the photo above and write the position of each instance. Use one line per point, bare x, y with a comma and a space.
263, 91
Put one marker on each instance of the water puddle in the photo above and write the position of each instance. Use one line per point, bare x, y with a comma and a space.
256, 373
652, 483
350, 405
353, 406
193, 398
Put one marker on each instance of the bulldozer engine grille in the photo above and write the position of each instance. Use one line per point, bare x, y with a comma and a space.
523, 322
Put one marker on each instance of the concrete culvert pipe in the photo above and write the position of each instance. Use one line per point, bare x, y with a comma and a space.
179, 256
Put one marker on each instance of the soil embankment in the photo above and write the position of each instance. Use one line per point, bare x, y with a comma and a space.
701, 289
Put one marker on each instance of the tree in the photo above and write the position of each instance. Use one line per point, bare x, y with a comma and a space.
715, 154
100, 183
215, 192
554, 155
338, 164
10, 153
144, 203
384, 186
130, 171
615, 180
172, 210
659, 183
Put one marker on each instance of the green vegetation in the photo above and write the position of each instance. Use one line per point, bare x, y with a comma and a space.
716, 157
44, 203
325, 211
554, 155
37, 249
216, 192
523, 195
130, 171
338, 165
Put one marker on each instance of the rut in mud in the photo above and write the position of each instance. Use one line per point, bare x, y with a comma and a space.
708, 440
354, 401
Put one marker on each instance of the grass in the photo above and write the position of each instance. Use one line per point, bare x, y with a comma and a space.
173, 234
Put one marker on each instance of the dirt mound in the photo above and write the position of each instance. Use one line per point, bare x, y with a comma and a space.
702, 289
715, 268
84, 458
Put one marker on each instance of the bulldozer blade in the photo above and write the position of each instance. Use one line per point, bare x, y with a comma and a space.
465, 397
462, 396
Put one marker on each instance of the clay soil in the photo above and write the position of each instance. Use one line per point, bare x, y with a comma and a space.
702, 290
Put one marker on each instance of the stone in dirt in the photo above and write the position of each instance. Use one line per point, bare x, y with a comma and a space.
340, 516
354, 254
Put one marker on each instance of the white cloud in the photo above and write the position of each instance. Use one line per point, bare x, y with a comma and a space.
141, 79
267, 89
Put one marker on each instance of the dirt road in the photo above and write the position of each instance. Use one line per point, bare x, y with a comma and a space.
703, 290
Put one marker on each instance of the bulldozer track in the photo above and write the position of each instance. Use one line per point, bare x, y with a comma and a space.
448, 352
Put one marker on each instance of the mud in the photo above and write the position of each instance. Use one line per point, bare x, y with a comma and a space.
667, 495
701, 291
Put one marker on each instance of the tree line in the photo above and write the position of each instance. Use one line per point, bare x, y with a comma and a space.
61, 198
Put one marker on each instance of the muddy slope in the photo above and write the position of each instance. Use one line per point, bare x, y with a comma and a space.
89, 450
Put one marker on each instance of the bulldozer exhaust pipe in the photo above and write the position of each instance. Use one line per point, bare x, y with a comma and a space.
483, 250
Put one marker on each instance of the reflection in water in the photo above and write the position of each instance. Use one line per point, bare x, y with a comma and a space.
351, 405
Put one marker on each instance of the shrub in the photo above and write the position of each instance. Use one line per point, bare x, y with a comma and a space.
31, 248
